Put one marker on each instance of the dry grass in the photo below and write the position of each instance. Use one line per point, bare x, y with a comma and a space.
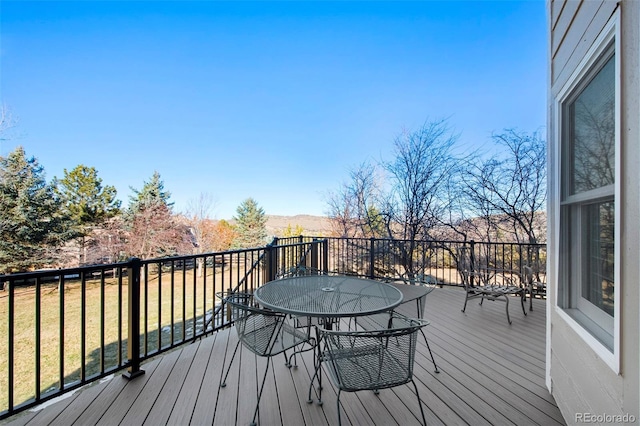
156, 326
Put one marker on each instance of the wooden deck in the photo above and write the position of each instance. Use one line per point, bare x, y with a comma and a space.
491, 373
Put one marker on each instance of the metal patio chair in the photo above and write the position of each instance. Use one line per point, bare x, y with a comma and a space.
263, 332
535, 282
414, 292
474, 288
370, 360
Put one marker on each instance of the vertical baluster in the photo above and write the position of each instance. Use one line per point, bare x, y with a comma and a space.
173, 291
38, 337
214, 288
204, 293
184, 302
159, 266
102, 321
83, 326
10, 343
61, 331
194, 297
146, 309
119, 354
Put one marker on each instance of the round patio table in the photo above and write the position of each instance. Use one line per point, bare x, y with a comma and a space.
328, 296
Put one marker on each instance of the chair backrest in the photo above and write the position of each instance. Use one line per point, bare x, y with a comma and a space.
257, 328
465, 267
374, 359
527, 274
418, 288
428, 283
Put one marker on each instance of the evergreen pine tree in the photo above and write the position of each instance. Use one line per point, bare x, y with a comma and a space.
250, 225
153, 231
86, 200
152, 193
32, 221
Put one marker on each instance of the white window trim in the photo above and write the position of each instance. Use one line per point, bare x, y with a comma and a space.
609, 33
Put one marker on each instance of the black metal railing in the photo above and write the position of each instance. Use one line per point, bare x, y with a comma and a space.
61, 329
437, 260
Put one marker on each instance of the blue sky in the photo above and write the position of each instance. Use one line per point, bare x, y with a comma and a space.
275, 101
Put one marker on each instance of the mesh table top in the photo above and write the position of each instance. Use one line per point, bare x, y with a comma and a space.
328, 296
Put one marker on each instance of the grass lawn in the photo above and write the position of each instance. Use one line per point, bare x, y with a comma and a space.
193, 295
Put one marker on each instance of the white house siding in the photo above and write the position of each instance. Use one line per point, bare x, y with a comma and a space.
579, 379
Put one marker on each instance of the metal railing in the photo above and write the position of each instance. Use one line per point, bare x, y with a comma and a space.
433, 260
61, 329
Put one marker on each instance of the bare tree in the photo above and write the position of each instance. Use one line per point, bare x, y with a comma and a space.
419, 175
155, 233
340, 212
199, 222
110, 240
508, 192
7, 122
419, 183
353, 209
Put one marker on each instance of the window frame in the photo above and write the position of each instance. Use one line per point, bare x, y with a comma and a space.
567, 305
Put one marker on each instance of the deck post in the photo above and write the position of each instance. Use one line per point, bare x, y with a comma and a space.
325, 255
372, 258
133, 342
270, 262
315, 254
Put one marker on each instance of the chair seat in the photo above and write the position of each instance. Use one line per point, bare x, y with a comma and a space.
372, 366
499, 290
370, 360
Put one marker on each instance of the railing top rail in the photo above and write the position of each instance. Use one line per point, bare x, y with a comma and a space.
305, 243
62, 271
436, 241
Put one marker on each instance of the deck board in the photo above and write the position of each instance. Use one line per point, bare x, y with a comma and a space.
186, 400
490, 373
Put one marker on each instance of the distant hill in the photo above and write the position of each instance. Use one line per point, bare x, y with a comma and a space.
311, 225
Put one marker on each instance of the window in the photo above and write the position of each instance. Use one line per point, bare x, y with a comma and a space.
588, 144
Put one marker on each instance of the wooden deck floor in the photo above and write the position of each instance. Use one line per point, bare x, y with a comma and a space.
491, 373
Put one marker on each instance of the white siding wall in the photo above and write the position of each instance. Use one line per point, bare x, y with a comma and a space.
579, 380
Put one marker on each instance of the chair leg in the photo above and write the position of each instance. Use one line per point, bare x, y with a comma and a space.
506, 298
224, 380
264, 379
522, 300
424, 420
338, 406
287, 359
430, 353
318, 374
294, 356
465, 302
